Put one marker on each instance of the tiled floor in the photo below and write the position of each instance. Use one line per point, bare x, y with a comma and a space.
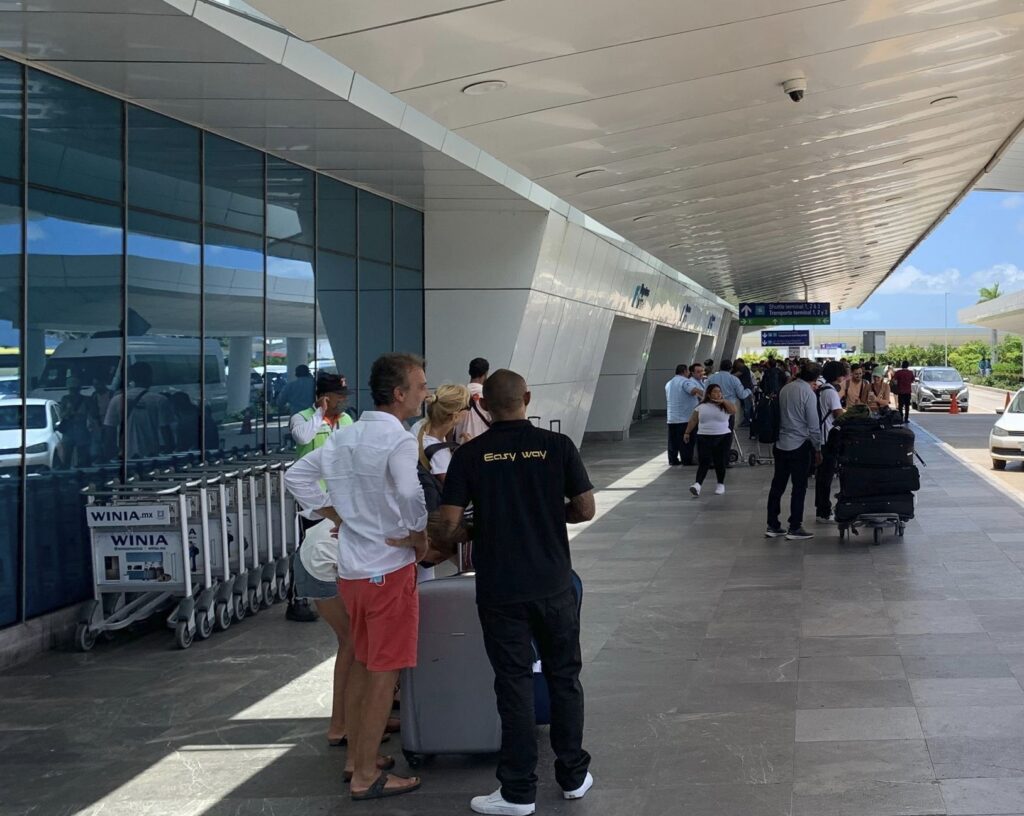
726, 675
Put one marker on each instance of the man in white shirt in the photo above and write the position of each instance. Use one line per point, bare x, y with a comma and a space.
373, 494
476, 420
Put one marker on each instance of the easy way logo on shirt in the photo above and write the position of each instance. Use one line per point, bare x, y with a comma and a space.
511, 456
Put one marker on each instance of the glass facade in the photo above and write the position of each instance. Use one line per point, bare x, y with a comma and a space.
159, 287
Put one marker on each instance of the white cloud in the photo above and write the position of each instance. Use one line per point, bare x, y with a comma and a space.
916, 281
1010, 277
1012, 202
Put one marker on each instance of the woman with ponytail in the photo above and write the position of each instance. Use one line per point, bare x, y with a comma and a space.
444, 407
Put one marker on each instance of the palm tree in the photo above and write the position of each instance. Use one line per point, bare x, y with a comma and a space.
989, 293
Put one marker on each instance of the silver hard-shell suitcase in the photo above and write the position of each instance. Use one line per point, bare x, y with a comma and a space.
448, 701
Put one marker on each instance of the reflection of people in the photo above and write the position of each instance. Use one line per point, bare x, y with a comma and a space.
74, 426
310, 429
99, 403
186, 422
150, 415
297, 394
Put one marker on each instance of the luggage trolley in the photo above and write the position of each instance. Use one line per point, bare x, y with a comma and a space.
139, 539
876, 522
284, 518
209, 523
244, 593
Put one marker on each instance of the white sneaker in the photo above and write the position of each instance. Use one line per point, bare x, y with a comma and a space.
581, 791
719, 489
825, 519
496, 804
695, 489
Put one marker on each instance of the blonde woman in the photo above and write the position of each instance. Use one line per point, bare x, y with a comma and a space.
444, 408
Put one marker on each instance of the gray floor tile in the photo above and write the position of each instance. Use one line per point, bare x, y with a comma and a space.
856, 694
871, 667
974, 691
848, 724
875, 798
955, 666
720, 800
983, 722
847, 646
964, 757
966, 797
827, 764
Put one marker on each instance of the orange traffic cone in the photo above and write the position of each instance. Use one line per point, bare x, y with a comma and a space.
954, 404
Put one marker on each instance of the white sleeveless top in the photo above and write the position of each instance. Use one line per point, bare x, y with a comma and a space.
713, 420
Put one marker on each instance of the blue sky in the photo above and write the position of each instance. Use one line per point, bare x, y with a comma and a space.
980, 243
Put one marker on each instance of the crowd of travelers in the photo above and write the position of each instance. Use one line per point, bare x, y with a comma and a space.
384, 502
801, 401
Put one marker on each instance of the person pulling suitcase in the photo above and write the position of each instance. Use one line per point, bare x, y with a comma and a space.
518, 478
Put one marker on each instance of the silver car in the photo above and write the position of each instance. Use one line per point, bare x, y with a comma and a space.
936, 387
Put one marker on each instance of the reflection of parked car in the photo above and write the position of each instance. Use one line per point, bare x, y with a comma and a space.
935, 387
1006, 440
9, 387
41, 437
174, 362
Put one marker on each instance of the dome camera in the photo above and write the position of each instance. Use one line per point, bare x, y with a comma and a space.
795, 88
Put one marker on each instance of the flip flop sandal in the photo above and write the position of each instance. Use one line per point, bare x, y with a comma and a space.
378, 790
386, 766
340, 742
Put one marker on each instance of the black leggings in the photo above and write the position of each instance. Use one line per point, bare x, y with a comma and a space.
713, 450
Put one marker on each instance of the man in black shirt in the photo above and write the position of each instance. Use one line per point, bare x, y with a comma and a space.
518, 477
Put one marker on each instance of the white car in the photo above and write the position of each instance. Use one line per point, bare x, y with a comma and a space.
1006, 441
41, 434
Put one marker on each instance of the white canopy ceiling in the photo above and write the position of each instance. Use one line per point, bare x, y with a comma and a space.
702, 159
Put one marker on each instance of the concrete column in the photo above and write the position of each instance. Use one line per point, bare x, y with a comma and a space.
704, 347
668, 349
720, 349
35, 354
296, 352
622, 372
239, 371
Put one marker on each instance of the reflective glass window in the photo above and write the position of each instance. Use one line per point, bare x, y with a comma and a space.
74, 138
408, 238
408, 310
72, 342
163, 338
233, 185
290, 336
375, 320
290, 202
10, 119
336, 318
163, 164
233, 294
374, 227
11, 441
336, 216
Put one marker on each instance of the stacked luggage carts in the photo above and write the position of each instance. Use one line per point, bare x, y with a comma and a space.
877, 474
208, 544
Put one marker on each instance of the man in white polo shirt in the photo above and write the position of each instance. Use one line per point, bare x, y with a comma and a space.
374, 495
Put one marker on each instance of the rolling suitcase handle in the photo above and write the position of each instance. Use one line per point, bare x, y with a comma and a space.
553, 423
534, 417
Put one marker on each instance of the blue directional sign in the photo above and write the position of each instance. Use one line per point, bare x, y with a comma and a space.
800, 313
772, 339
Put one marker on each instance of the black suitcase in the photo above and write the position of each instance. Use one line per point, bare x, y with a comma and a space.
856, 481
876, 447
847, 508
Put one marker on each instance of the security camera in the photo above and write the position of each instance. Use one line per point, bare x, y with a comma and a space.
795, 88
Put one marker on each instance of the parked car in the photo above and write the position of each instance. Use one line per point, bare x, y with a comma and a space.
936, 386
1006, 440
41, 435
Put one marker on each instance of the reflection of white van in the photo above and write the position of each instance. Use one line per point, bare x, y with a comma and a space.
173, 360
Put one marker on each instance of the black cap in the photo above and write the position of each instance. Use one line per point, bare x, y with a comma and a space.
327, 383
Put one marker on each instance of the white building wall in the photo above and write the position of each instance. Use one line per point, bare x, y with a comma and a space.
668, 349
538, 292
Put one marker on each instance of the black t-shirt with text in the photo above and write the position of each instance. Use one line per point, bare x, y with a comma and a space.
517, 478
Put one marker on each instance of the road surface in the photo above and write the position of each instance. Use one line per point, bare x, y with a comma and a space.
967, 434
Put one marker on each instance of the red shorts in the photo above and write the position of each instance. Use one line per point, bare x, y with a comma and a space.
385, 619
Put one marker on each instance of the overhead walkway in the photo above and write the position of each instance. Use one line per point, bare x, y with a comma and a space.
725, 674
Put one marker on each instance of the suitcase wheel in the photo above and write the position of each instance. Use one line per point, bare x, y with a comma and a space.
734, 457
752, 459
414, 760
